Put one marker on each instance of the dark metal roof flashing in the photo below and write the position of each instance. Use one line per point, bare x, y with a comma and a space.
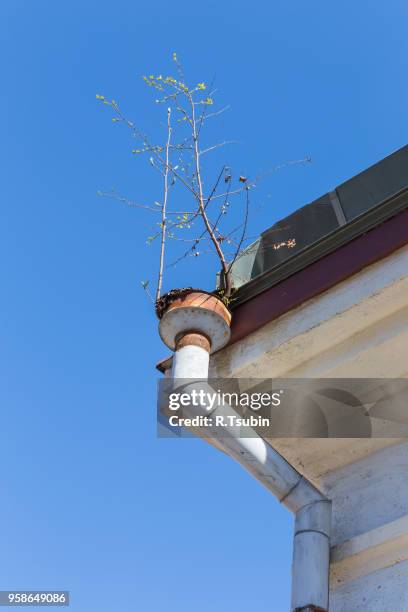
350, 210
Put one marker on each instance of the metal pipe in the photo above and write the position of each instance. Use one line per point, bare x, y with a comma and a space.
310, 567
190, 361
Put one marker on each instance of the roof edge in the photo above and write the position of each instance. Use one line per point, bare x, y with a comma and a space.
320, 275
329, 243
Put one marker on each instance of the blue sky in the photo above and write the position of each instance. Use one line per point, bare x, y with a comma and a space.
91, 500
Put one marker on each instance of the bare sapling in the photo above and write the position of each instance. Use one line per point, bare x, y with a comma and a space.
202, 226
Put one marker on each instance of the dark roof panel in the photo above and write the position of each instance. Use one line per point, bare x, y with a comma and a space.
374, 185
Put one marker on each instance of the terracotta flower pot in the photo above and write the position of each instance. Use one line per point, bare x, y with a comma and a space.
193, 311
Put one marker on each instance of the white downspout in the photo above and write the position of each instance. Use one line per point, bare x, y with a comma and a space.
194, 325
310, 567
311, 548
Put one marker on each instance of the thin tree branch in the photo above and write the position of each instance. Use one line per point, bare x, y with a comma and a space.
217, 146
216, 113
201, 201
164, 208
132, 204
245, 225
126, 201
